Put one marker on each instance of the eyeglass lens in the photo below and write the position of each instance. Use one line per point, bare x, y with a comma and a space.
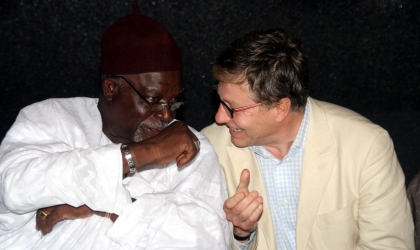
229, 111
154, 107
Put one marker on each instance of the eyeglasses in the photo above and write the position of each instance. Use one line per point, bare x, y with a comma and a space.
230, 111
154, 107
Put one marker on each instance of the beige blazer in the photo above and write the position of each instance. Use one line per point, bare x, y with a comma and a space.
413, 195
352, 193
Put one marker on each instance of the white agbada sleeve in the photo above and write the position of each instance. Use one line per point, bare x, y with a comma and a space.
55, 153
176, 208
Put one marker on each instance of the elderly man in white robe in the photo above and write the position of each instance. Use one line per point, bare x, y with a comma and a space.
116, 172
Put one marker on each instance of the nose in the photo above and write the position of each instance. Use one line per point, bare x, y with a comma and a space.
221, 115
166, 115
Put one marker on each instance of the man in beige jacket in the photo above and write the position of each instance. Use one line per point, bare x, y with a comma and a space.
301, 173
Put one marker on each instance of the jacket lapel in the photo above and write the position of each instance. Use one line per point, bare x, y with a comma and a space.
244, 158
319, 158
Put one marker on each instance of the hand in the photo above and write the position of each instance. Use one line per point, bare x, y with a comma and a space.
244, 208
174, 142
59, 213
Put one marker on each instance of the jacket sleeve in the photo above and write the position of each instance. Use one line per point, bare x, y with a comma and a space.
385, 220
413, 195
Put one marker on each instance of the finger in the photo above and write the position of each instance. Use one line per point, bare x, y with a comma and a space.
244, 182
53, 212
246, 203
246, 221
256, 214
243, 209
249, 225
43, 229
188, 155
184, 159
53, 218
38, 220
233, 201
40, 224
245, 218
180, 161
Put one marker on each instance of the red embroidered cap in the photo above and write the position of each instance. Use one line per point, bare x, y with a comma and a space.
137, 44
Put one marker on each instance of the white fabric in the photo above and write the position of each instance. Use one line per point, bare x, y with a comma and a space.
56, 153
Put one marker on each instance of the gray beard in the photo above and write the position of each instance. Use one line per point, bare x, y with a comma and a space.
138, 135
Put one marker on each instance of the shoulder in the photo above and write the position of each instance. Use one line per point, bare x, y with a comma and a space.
218, 135
220, 138
341, 121
57, 118
206, 148
333, 111
55, 106
211, 129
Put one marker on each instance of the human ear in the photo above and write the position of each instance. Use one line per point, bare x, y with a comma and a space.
283, 108
109, 88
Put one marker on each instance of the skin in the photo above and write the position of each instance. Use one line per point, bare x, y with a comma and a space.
58, 213
128, 119
273, 127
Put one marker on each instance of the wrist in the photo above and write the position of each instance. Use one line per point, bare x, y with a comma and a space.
241, 238
142, 154
129, 158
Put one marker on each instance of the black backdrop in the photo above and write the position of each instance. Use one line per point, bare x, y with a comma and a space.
363, 55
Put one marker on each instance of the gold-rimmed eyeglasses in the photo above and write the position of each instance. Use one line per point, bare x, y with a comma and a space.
154, 107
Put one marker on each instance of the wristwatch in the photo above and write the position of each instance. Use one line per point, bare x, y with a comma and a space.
239, 238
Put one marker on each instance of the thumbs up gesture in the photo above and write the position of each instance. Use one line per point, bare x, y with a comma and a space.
244, 208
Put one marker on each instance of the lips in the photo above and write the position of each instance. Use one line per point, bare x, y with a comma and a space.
151, 131
234, 130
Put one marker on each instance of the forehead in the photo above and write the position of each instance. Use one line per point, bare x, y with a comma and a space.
234, 81
232, 88
165, 81
238, 94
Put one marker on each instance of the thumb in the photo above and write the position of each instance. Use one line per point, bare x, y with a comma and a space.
244, 182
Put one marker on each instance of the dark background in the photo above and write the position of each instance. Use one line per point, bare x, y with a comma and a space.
363, 55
